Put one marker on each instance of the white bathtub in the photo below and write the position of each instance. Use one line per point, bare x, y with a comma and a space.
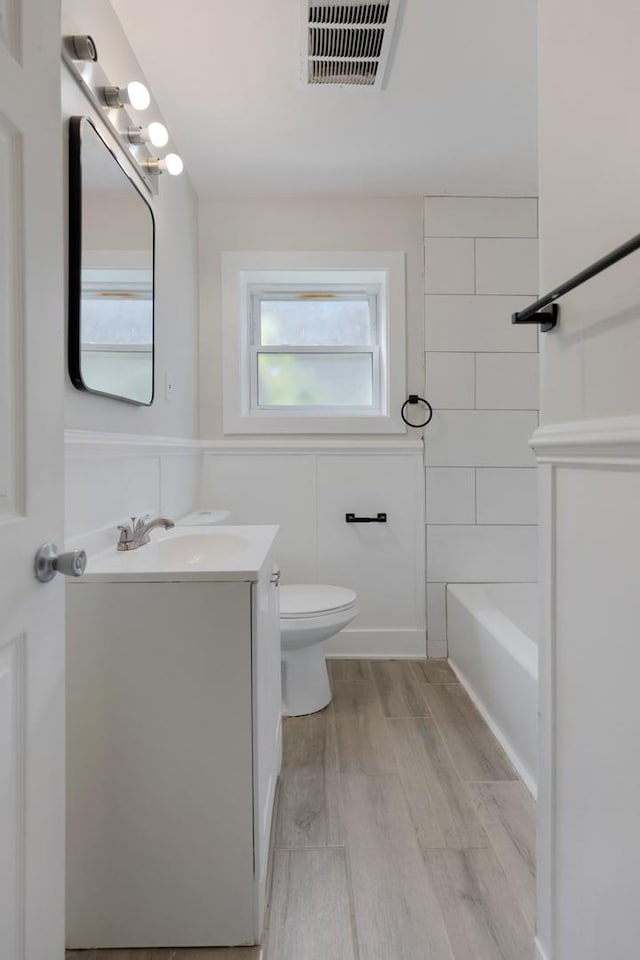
492, 632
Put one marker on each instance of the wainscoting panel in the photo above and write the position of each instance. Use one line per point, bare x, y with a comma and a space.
111, 477
307, 489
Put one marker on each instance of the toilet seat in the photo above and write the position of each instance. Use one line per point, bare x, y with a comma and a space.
300, 601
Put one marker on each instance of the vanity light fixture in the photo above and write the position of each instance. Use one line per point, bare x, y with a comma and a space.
156, 133
135, 94
171, 164
80, 55
84, 48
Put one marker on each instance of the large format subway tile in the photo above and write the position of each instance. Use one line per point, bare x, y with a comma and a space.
507, 495
442, 813
450, 495
480, 438
470, 554
476, 324
506, 266
474, 750
482, 917
363, 741
481, 217
450, 381
507, 381
399, 691
395, 906
508, 814
449, 266
309, 812
310, 915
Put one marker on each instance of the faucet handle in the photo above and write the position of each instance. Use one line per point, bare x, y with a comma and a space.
126, 532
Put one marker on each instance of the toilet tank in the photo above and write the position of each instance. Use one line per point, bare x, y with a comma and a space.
204, 518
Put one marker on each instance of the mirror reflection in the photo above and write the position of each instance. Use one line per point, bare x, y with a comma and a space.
111, 273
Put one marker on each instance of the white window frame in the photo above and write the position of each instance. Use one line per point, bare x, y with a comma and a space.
246, 273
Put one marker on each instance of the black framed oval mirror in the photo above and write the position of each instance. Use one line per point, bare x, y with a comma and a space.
111, 272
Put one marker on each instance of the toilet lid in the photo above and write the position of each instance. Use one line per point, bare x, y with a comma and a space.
203, 518
311, 599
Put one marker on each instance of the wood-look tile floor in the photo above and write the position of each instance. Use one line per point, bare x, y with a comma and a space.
402, 832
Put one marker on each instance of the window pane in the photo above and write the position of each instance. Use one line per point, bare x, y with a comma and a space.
117, 321
315, 379
322, 323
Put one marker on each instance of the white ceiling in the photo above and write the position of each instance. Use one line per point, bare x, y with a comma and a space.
457, 114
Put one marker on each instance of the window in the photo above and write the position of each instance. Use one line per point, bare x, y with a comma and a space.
309, 345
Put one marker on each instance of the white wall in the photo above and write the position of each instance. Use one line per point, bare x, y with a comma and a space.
307, 488
589, 842
302, 224
481, 264
308, 484
123, 483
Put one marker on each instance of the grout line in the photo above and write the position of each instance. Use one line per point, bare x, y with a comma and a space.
475, 271
347, 865
475, 496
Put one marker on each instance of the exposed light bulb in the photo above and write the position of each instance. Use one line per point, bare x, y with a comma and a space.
173, 164
156, 133
137, 95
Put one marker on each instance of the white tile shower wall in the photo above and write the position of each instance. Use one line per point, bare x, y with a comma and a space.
481, 265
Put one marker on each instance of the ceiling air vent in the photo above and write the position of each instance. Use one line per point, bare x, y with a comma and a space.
347, 42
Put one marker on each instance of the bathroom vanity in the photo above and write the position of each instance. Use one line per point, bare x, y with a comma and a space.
173, 740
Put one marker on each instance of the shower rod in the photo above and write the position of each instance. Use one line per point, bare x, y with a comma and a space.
545, 311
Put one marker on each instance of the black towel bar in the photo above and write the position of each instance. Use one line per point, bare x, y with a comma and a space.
545, 311
351, 518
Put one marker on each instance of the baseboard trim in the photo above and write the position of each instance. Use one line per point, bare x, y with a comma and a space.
497, 731
541, 953
377, 644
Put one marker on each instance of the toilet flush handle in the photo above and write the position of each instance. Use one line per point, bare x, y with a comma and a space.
275, 577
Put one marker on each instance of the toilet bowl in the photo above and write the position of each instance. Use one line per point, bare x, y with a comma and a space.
309, 614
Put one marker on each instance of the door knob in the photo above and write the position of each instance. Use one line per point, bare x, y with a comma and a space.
48, 562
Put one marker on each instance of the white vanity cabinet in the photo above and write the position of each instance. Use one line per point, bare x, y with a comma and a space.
173, 753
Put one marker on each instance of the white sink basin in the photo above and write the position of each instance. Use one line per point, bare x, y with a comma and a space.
193, 550
210, 553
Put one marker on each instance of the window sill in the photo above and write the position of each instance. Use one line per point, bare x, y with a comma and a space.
257, 424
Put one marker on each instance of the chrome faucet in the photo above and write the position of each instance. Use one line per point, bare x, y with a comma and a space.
137, 533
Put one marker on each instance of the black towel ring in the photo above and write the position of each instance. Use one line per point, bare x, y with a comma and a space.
414, 398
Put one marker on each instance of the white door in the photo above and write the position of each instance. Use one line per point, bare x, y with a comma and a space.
31, 482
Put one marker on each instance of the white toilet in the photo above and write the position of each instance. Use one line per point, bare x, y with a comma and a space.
309, 614
204, 518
